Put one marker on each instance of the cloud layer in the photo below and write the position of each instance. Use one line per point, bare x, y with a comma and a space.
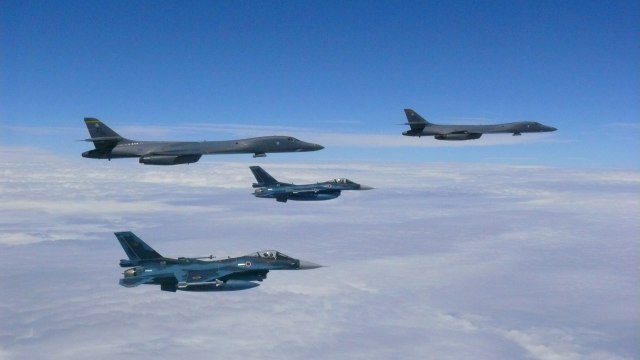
439, 261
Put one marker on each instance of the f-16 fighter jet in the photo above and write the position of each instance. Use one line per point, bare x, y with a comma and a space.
109, 145
268, 187
146, 266
421, 127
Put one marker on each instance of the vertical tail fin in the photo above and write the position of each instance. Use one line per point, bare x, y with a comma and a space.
102, 136
98, 129
262, 176
135, 248
415, 121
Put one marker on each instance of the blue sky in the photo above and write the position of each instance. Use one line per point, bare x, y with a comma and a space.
322, 70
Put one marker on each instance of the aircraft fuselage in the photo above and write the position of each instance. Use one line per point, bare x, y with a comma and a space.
257, 145
421, 127
229, 274
147, 266
242, 272
307, 192
507, 128
110, 145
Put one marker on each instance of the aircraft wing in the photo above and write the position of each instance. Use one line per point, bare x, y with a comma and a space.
105, 139
246, 275
280, 194
104, 144
195, 277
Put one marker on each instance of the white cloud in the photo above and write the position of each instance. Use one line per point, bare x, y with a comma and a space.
479, 262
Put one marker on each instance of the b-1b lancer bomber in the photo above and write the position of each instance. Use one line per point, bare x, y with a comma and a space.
268, 187
146, 266
109, 145
421, 127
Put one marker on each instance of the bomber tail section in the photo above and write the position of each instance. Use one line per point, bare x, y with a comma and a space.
416, 122
102, 136
135, 248
262, 177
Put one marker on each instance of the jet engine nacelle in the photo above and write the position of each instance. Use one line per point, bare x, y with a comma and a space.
132, 272
257, 275
458, 136
169, 159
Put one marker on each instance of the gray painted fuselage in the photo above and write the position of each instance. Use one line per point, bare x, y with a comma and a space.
258, 145
518, 127
420, 127
110, 145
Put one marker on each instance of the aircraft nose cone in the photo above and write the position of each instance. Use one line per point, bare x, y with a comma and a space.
308, 265
365, 187
551, 128
310, 147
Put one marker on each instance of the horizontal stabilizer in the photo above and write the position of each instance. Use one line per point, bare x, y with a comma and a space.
104, 138
131, 282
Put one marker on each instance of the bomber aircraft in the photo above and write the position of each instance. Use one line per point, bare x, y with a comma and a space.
109, 145
421, 127
146, 266
268, 187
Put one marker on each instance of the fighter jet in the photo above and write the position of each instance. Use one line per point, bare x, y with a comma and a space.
109, 145
146, 266
268, 187
421, 127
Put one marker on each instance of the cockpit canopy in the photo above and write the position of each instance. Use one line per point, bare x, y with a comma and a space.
343, 181
269, 254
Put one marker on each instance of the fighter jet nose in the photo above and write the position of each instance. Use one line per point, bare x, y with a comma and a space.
365, 187
551, 128
308, 265
319, 147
